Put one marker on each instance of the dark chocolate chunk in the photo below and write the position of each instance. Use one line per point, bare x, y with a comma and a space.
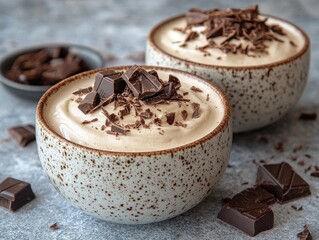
315, 174
282, 181
89, 102
251, 218
170, 118
305, 234
142, 83
14, 194
108, 83
254, 195
83, 91
308, 116
22, 135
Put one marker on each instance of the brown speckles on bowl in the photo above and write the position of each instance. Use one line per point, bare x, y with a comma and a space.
133, 187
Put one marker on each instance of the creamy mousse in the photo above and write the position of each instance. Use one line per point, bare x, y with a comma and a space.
228, 37
134, 110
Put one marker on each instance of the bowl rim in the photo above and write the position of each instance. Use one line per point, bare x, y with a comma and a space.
22, 50
226, 120
304, 49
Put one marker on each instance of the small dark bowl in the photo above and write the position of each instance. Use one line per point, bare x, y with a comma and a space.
92, 58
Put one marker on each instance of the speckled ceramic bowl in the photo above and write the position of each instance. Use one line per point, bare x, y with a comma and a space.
259, 95
134, 187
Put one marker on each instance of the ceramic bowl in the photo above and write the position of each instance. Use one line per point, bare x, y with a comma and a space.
134, 187
92, 58
259, 95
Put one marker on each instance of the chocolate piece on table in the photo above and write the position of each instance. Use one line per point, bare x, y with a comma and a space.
89, 102
308, 116
14, 194
22, 134
170, 118
315, 174
108, 83
254, 195
281, 180
251, 218
305, 234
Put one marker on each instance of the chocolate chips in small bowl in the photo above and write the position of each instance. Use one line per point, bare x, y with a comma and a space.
29, 72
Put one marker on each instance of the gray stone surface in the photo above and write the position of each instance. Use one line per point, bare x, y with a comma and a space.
120, 28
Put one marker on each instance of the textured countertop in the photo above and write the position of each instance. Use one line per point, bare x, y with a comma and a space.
120, 28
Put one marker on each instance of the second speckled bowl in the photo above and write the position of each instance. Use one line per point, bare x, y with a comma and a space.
260, 94
134, 187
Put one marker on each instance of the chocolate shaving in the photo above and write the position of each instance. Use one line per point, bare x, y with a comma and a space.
191, 36
232, 24
184, 114
118, 129
83, 91
196, 89
125, 111
170, 118
147, 114
196, 108
90, 121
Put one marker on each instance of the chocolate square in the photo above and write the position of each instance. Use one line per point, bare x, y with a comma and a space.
14, 194
22, 135
281, 180
108, 83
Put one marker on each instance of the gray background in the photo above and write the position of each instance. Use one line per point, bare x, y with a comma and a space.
120, 28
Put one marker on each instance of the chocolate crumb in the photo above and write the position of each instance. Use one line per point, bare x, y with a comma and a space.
185, 93
196, 89
207, 97
308, 116
315, 174
296, 208
301, 163
170, 118
280, 147
54, 226
103, 127
297, 148
147, 114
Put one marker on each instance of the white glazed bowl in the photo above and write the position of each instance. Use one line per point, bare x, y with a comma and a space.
134, 187
259, 95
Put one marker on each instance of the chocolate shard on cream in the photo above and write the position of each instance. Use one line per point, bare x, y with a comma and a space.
108, 83
142, 83
89, 102
281, 180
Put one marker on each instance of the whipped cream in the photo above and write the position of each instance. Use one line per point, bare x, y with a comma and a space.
63, 115
170, 40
